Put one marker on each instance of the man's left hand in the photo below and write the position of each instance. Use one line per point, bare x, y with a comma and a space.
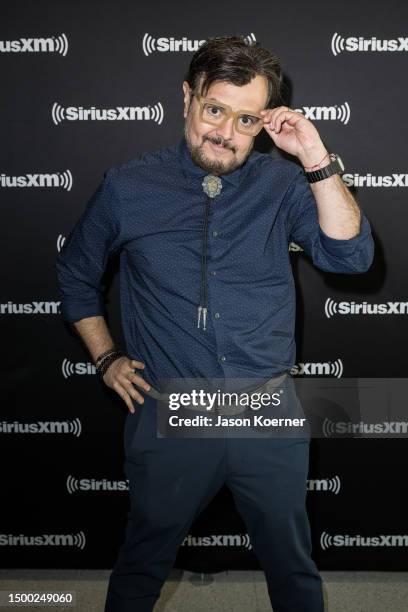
295, 134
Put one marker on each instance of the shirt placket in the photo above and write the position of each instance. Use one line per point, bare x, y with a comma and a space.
215, 252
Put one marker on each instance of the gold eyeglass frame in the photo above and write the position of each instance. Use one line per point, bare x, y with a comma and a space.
201, 101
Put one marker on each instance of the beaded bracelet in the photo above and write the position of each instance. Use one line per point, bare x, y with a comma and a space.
100, 358
100, 363
102, 367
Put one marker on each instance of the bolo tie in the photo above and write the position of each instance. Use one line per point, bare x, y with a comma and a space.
212, 186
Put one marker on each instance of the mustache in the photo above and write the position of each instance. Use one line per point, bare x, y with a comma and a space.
219, 140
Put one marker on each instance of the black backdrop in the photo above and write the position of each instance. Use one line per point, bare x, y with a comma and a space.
63, 488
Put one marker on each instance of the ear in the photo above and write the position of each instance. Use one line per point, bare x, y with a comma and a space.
187, 95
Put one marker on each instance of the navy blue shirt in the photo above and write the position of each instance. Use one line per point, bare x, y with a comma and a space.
150, 210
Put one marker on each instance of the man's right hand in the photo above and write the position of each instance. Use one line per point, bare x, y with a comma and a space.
120, 376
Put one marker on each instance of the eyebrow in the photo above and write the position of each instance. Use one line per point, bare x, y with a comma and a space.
224, 103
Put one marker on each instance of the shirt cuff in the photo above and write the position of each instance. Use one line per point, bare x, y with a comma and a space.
345, 247
74, 311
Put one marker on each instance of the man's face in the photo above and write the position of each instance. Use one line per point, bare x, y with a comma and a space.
220, 150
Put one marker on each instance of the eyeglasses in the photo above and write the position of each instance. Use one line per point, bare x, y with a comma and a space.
216, 113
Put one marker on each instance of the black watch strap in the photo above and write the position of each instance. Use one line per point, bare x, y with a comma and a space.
335, 167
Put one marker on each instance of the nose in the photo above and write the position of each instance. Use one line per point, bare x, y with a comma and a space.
227, 130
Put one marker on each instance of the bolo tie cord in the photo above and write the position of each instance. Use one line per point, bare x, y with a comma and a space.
202, 309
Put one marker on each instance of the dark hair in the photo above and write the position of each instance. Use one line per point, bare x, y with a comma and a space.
237, 60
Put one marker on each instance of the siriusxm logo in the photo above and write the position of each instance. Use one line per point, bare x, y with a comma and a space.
328, 368
52, 44
370, 180
42, 427
76, 540
327, 540
326, 113
358, 43
61, 180
91, 484
165, 44
30, 308
332, 308
331, 428
119, 113
324, 484
218, 540
69, 369
60, 242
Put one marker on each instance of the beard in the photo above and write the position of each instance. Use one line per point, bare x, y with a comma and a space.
214, 166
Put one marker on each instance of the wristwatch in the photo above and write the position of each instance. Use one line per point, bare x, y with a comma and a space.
335, 167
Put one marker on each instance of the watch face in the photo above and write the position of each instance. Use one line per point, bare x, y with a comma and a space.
340, 162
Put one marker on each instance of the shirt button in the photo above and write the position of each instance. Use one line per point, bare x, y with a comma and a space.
213, 272
223, 358
217, 315
215, 233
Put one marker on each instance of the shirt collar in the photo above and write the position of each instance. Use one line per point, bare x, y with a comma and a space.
189, 167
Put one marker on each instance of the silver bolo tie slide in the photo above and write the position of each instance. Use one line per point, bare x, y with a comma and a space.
212, 186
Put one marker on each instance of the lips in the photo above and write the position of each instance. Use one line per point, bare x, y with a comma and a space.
218, 147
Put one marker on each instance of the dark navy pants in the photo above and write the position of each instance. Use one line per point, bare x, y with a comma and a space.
172, 480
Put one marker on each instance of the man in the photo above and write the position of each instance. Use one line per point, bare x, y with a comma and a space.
234, 319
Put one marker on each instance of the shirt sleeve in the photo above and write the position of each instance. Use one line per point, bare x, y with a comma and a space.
352, 256
81, 261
